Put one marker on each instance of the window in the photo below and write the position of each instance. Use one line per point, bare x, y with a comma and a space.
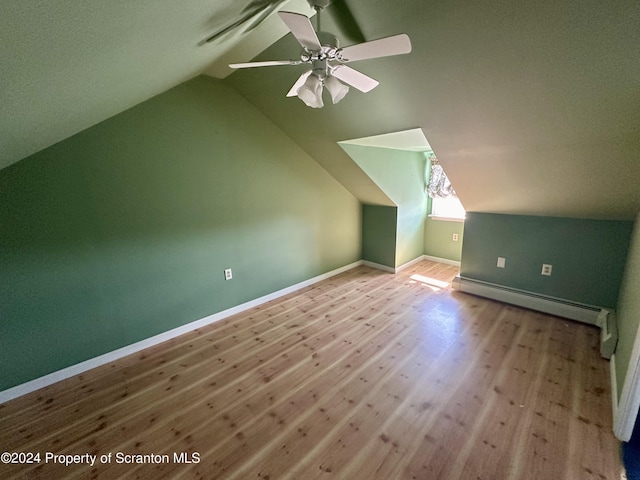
445, 204
447, 207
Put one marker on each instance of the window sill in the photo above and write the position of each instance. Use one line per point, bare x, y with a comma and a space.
446, 219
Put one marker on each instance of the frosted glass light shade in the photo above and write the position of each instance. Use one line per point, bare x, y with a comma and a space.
311, 92
336, 88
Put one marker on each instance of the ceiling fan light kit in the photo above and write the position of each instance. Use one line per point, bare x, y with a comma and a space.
336, 89
311, 92
328, 61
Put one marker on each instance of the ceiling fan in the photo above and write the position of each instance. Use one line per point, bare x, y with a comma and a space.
328, 61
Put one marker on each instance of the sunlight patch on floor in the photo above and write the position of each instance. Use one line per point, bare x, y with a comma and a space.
432, 283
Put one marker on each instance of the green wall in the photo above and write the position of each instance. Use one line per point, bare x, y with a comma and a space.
438, 239
123, 230
628, 311
400, 174
588, 256
379, 234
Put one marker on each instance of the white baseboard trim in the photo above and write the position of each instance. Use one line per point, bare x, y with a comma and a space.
628, 406
614, 386
54, 377
386, 268
410, 263
441, 260
379, 266
542, 303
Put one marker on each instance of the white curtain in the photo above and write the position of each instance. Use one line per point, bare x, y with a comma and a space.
439, 185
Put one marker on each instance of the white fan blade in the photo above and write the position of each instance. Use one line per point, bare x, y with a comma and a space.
265, 64
383, 47
354, 78
301, 27
294, 90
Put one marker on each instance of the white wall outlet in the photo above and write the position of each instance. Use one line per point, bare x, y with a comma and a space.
455, 237
546, 269
501, 262
228, 275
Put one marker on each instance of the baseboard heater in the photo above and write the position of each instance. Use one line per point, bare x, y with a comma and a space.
590, 314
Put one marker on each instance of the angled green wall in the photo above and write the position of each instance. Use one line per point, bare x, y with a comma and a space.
588, 256
628, 311
379, 234
123, 230
400, 174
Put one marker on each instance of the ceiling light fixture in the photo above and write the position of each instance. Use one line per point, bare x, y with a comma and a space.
336, 88
328, 61
311, 90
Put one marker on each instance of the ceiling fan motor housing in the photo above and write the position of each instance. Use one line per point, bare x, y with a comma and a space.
319, 59
319, 68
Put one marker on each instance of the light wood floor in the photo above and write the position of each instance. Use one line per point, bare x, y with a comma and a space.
367, 375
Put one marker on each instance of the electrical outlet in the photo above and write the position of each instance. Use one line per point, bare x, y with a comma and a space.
455, 237
546, 269
228, 275
501, 262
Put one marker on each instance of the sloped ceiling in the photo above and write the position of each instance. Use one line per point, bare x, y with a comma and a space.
412, 140
531, 107
66, 65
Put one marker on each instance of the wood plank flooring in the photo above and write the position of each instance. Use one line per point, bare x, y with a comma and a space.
367, 375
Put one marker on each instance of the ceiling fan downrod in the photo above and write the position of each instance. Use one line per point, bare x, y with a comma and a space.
319, 6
